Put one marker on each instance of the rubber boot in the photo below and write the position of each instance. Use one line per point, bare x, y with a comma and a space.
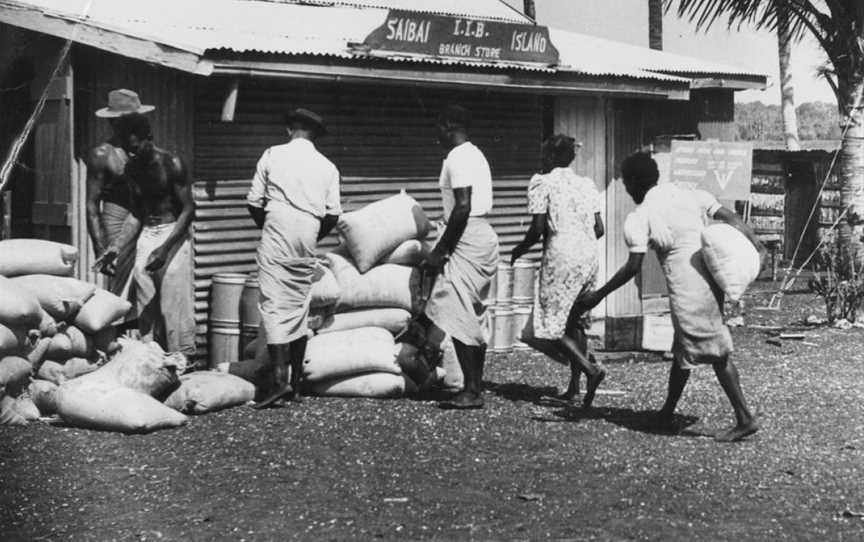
280, 387
471, 360
298, 354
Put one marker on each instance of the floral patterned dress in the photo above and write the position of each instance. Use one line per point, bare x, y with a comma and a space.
570, 257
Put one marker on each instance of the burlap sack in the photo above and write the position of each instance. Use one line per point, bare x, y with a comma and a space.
351, 352
31, 256
377, 229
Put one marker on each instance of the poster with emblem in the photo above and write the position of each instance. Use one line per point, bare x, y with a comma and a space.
723, 168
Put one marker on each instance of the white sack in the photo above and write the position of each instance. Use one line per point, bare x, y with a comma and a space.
30, 256
108, 407
377, 229
70, 343
19, 308
101, 310
139, 366
9, 414
208, 391
731, 259
26, 408
59, 296
325, 290
14, 375
393, 320
43, 394
13, 341
387, 285
372, 385
350, 352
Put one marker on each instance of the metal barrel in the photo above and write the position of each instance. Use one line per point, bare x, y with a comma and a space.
250, 316
524, 279
224, 322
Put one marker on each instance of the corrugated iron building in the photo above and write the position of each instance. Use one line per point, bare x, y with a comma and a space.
193, 63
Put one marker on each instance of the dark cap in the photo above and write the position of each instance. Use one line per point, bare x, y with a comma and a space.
455, 115
313, 120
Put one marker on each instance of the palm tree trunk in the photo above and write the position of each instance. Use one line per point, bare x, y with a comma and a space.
530, 11
655, 24
787, 93
850, 172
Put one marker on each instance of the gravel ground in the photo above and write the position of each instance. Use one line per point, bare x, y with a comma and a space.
525, 468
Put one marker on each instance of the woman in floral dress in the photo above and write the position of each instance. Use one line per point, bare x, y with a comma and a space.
566, 215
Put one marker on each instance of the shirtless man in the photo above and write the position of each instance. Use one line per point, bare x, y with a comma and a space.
108, 199
161, 214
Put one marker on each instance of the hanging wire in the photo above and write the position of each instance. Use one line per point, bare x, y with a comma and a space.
786, 283
21, 140
824, 181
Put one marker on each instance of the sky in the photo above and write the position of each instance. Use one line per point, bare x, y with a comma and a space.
752, 49
627, 20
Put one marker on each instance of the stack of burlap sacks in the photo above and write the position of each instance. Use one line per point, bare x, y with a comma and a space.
365, 293
59, 354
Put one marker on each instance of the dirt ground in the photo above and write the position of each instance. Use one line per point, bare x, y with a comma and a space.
525, 468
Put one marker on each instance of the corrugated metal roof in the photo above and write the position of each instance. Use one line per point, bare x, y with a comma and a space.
307, 27
589, 53
486, 9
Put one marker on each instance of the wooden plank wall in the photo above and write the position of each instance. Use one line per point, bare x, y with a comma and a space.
172, 92
584, 118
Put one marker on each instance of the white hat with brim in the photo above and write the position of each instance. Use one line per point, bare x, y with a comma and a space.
123, 102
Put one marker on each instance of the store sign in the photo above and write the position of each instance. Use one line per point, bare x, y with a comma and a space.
462, 38
719, 167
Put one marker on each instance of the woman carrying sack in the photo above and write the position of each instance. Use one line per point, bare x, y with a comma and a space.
671, 220
566, 215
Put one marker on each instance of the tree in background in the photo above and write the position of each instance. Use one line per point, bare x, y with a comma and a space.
787, 91
529, 9
838, 26
655, 24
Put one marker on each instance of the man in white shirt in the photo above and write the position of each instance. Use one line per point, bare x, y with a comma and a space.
465, 257
295, 200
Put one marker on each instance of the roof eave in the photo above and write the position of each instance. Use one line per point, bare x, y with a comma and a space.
731, 81
135, 47
513, 80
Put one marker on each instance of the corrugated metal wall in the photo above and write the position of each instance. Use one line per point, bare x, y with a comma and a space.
382, 140
171, 91
97, 73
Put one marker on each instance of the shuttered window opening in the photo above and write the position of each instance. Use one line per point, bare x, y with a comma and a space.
382, 140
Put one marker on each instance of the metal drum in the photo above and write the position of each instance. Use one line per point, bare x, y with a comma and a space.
250, 316
224, 324
521, 315
524, 278
502, 332
504, 285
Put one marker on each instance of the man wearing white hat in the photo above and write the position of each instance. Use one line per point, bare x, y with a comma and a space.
108, 200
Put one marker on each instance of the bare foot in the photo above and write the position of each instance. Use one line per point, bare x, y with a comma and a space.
463, 401
665, 421
737, 433
569, 395
593, 384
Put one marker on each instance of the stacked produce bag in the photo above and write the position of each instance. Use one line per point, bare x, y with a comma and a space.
60, 355
365, 294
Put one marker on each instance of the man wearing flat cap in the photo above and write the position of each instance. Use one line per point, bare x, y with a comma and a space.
465, 256
295, 200
108, 196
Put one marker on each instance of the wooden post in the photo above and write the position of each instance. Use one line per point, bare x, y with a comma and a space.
6, 206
